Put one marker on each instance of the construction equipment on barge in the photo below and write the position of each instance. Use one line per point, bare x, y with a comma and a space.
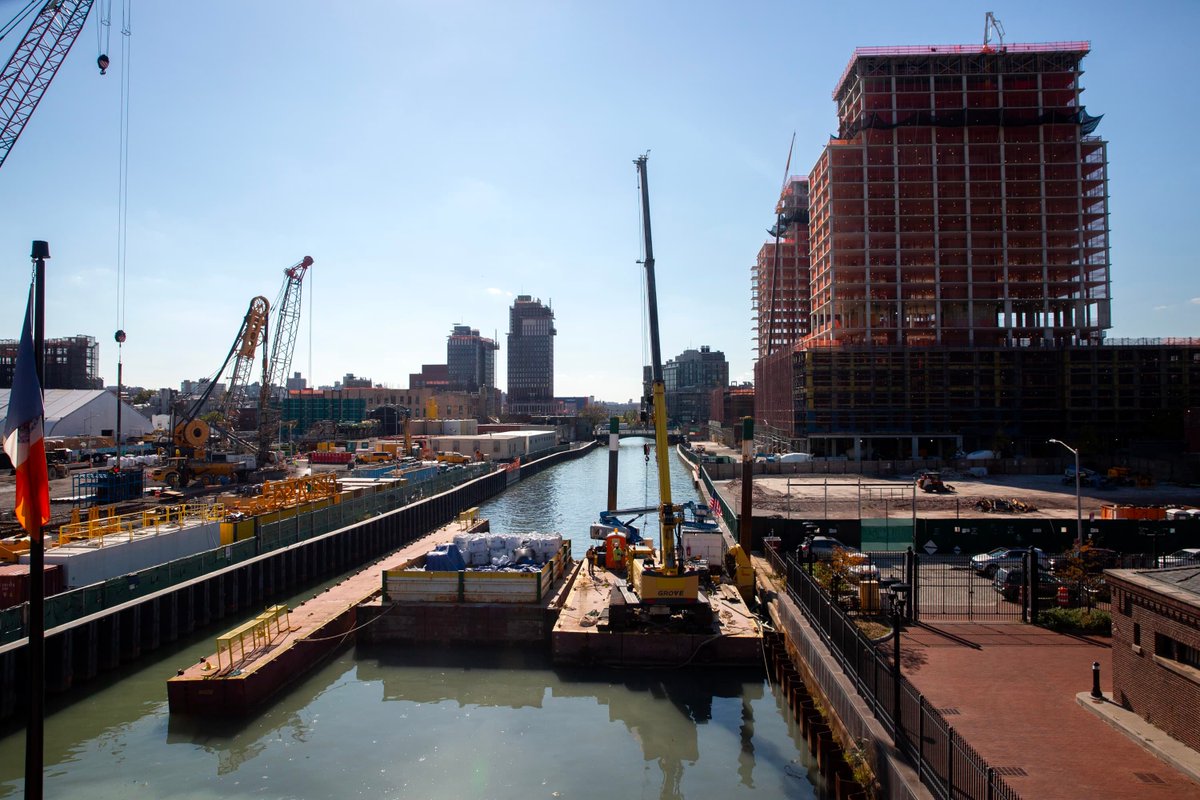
659, 587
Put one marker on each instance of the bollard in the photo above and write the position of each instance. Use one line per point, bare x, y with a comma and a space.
1099, 695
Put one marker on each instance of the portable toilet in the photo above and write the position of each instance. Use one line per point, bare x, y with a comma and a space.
614, 550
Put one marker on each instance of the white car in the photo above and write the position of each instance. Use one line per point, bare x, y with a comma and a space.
1007, 557
1182, 558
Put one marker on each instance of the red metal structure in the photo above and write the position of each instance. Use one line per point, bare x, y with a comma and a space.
34, 64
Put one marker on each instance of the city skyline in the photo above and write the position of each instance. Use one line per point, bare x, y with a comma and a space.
245, 156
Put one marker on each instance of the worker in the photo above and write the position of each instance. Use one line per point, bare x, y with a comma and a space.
591, 559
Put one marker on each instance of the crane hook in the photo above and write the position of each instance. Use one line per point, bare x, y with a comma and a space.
102, 62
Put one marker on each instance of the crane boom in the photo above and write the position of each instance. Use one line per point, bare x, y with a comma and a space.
253, 330
287, 321
668, 520
34, 64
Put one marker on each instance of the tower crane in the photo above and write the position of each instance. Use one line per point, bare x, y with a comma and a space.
34, 63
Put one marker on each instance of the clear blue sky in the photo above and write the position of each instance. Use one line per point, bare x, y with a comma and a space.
438, 158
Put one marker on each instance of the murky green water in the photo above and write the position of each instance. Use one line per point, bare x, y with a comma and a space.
398, 722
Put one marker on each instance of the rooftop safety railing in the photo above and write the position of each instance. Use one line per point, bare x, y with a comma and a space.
140, 522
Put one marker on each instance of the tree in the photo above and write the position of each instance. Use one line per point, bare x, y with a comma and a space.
594, 414
142, 397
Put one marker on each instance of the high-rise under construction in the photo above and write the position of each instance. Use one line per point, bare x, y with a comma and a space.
955, 288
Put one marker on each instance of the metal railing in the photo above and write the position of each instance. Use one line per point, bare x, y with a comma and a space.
156, 518
947, 765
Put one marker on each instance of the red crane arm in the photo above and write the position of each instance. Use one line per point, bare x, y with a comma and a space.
34, 63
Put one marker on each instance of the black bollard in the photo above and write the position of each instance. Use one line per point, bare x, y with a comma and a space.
1099, 695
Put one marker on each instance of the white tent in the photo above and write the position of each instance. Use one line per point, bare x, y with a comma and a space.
85, 412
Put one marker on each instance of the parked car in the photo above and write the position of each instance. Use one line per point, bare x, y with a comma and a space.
987, 563
824, 547
1182, 558
1008, 583
1092, 559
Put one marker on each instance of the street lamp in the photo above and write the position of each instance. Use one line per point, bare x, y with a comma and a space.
1078, 501
899, 593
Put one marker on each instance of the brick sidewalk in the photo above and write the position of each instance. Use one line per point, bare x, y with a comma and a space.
1009, 689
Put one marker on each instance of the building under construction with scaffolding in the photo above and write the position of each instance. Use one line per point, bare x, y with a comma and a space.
940, 282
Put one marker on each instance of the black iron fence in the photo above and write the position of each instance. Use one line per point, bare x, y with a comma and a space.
947, 765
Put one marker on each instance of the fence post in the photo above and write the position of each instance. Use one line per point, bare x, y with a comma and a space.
1035, 584
910, 576
950, 762
921, 737
991, 783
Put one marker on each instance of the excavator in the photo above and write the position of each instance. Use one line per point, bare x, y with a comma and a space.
662, 586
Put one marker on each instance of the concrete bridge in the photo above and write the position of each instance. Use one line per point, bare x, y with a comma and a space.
673, 436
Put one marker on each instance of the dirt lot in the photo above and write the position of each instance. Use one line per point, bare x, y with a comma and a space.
850, 496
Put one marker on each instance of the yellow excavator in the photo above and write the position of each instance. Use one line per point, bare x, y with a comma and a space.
666, 585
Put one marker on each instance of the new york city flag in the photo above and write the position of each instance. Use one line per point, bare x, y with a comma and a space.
23, 435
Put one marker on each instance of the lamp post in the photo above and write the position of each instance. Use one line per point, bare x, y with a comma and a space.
1078, 500
898, 591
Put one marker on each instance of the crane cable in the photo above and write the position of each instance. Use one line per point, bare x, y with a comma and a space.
11, 25
123, 159
104, 34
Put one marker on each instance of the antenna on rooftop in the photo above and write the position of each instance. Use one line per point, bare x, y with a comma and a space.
990, 25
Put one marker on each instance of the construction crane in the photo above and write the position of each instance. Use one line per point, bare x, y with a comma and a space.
666, 585
275, 370
990, 25
287, 321
190, 435
35, 62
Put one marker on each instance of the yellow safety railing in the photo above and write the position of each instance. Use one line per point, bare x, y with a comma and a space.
256, 633
468, 517
287, 493
98, 525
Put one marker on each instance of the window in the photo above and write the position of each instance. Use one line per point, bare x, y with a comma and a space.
1167, 648
1137, 633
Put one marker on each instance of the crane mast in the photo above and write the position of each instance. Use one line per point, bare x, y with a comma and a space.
668, 518
34, 64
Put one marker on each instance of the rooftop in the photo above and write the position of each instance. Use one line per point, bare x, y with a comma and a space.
1083, 48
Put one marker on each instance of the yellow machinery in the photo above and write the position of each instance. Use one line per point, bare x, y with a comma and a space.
277, 495
739, 568
665, 585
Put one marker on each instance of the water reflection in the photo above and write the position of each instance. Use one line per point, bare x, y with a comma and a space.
661, 711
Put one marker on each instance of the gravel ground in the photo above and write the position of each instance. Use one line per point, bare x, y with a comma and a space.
851, 496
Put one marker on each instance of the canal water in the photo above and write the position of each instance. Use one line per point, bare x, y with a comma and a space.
431, 722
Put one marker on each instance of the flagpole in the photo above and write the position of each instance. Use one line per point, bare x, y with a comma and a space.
34, 731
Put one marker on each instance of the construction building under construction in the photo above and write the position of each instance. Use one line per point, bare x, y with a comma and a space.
72, 362
955, 288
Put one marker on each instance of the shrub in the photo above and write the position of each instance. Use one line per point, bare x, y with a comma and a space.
1083, 620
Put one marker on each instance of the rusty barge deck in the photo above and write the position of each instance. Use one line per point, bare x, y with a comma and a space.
580, 637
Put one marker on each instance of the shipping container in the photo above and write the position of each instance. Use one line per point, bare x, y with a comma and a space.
14, 583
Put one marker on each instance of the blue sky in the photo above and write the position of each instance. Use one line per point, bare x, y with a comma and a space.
438, 158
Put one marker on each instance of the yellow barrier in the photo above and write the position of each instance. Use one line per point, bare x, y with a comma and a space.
468, 517
257, 632
97, 527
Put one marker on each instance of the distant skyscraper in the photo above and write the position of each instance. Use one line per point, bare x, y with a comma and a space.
530, 357
470, 359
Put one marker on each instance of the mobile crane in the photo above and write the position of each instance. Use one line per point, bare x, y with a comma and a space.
190, 435
667, 586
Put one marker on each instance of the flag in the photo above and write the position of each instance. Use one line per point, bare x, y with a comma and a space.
23, 435
715, 505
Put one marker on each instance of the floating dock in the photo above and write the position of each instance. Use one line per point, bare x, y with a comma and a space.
257, 659
581, 635
392, 600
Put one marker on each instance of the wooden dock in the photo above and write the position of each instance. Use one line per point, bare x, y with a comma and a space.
261, 663
580, 637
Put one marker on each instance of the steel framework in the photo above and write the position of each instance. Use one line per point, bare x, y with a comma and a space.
34, 64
